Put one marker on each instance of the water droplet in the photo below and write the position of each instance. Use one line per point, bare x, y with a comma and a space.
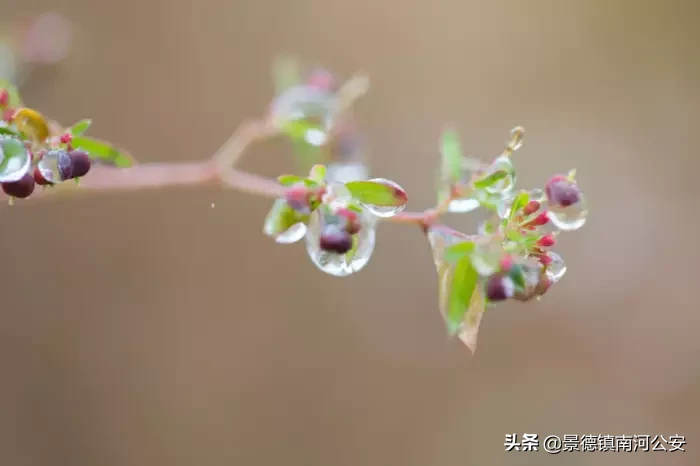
340, 265
486, 228
15, 160
517, 137
55, 166
487, 259
309, 111
569, 218
557, 268
385, 211
505, 185
292, 235
464, 205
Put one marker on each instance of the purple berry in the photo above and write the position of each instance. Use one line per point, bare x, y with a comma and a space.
22, 188
80, 161
336, 240
499, 287
562, 192
39, 178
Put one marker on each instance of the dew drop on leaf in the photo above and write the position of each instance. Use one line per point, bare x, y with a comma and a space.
569, 218
385, 211
55, 166
505, 185
306, 111
340, 265
557, 268
15, 160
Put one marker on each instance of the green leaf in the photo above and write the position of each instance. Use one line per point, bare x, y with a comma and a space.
15, 98
318, 173
451, 151
520, 201
517, 274
286, 73
289, 180
353, 250
8, 131
281, 218
462, 286
80, 127
103, 151
490, 179
458, 251
375, 193
14, 152
469, 329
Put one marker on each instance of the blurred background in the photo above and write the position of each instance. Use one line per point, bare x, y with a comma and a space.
148, 328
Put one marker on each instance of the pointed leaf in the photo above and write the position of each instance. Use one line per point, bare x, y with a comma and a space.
472, 320
15, 98
103, 151
519, 203
80, 127
451, 151
375, 193
6, 130
289, 180
458, 251
280, 219
318, 173
462, 285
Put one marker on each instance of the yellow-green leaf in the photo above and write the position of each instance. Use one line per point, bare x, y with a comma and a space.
462, 285
80, 127
103, 151
375, 193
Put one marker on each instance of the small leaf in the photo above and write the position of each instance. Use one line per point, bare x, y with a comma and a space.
286, 73
280, 219
462, 285
517, 275
378, 194
318, 173
353, 250
451, 151
490, 179
103, 152
519, 203
6, 130
15, 100
80, 127
458, 251
289, 180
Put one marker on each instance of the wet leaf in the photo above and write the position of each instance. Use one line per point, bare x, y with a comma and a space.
463, 282
318, 173
80, 127
378, 194
458, 251
469, 331
280, 219
490, 179
289, 180
103, 151
519, 203
8, 131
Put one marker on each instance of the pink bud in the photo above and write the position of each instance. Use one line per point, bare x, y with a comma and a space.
546, 241
4, 97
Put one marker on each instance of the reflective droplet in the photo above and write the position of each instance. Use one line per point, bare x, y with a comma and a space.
557, 268
55, 166
464, 205
486, 228
384, 211
306, 112
15, 160
569, 218
517, 137
505, 185
340, 265
292, 235
487, 259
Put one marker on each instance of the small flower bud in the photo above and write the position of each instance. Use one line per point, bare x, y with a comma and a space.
562, 192
531, 208
336, 240
547, 241
4, 97
297, 198
80, 161
499, 287
22, 188
352, 223
506, 263
66, 138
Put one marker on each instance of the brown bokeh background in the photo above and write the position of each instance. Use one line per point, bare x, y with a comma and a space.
148, 328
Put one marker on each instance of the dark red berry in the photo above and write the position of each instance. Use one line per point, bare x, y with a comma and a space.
22, 188
333, 239
531, 208
4, 97
499, 287
80, 163
547, 241
562, 192
39, 178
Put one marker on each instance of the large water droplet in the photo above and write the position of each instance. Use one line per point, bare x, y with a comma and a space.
569, 218
15, 160
487, 259
505, 185
292, 235
557, 268
307, 112
385, 211
55, 166
340, 265
464, 205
